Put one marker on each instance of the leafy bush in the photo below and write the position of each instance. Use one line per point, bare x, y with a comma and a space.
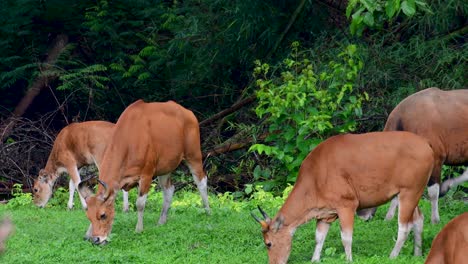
373, 14
20, 198
302, 106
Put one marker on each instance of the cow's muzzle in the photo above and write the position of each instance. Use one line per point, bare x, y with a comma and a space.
99, 241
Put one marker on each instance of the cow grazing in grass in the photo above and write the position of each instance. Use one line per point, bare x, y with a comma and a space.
451, 245
77, 145
442, 118
150, 139
350, 172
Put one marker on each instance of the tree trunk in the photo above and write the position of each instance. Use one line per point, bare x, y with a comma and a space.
36, 87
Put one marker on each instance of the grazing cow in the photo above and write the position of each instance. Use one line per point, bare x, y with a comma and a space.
6, 228
77, 145
150, 139
442, 118
350, 172
451, 244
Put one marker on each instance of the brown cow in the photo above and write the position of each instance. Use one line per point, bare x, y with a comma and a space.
451, 244
442, 118
350, 172
77, 145
150, 139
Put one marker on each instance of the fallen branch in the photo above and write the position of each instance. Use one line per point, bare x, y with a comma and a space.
36, 87
228, 111
232, 146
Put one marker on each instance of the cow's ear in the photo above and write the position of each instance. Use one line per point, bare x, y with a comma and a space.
278, 223
84, 190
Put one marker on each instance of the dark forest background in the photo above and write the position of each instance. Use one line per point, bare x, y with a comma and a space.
277, 75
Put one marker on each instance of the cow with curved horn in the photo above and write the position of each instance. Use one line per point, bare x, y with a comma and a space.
350, 172
441, 117
77, 145
150, 139
451, 244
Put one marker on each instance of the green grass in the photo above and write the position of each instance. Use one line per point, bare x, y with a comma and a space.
229, 235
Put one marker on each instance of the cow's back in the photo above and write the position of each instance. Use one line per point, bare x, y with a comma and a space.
155, 133
369, 167
439, 116
84, 141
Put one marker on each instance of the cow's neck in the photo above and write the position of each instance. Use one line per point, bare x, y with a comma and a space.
301, 206
110, 171
52, 167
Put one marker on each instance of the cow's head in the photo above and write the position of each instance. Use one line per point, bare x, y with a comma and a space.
276, 236
42, 189
100, 211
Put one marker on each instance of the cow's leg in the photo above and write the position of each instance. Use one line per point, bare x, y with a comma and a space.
75, 179
408, 202
346, 216
168, 192
433, 192
392, 209
199, 176
143, 189
320, 235
453, 182
71, 190
125, 201
88, 232
418, 224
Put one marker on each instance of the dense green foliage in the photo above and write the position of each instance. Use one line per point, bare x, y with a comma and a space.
302, 107
229, 235
203, 55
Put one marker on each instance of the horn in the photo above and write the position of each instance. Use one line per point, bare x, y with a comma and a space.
103, 184
265, 215
107, 190
84, 190
255, 217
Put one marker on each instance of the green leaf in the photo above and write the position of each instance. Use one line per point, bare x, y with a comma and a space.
408, 7
350, 7
369, 19
391, 7
369, 5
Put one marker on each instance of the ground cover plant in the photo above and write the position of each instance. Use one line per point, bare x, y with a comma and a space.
229, 235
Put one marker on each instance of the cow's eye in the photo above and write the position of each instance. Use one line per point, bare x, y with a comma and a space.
35, 190
268, 245
103, 216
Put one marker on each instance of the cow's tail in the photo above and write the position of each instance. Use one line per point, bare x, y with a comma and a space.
394, 124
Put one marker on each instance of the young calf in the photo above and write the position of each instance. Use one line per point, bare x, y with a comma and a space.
451, 244
77, 145
350, 172
150, 139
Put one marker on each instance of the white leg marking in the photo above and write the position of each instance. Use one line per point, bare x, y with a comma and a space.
433, 192
418, 225
347, 239
203, 189
320, 235
454, 182
125, 201
167, 195
83, 202
71, 189
140, 204
392, 209
403, 231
